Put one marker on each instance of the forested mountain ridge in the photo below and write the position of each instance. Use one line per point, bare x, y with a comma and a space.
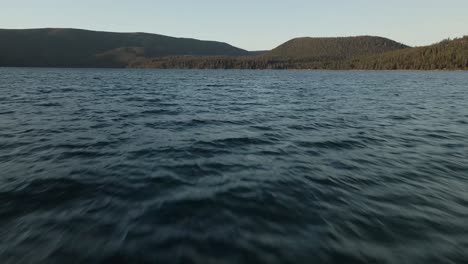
56, 47
446, 55
331, 49
296, 53
51, 47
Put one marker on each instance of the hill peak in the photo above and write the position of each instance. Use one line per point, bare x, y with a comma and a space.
333, 48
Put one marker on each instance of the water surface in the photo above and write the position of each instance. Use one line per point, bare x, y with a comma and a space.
134, 166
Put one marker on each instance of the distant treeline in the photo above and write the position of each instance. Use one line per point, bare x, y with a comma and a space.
82, 48
446, 55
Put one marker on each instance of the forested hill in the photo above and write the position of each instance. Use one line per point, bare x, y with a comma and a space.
82, 48
332, 49
446, 55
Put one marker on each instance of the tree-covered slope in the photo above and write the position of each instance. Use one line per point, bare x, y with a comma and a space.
446, 55
332, 49
83, 48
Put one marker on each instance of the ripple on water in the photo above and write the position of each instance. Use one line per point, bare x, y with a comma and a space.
332, 144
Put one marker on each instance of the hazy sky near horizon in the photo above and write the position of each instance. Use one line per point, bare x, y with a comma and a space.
252, 25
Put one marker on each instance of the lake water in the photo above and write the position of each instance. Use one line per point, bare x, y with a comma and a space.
136, 166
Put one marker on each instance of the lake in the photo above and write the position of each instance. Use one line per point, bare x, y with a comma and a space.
174, 166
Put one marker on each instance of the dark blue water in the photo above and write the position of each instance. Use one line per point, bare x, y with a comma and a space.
134, 166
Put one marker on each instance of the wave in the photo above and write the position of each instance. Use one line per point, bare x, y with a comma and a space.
332, 144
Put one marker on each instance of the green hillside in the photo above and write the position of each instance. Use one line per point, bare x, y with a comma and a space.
83, 48
332, 49
300, 53
446, 55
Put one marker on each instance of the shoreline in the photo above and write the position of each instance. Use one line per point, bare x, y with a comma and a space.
230, 69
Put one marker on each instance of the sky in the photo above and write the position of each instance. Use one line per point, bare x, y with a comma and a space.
249, 24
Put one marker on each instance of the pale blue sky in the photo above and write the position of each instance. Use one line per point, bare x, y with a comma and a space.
249, 24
